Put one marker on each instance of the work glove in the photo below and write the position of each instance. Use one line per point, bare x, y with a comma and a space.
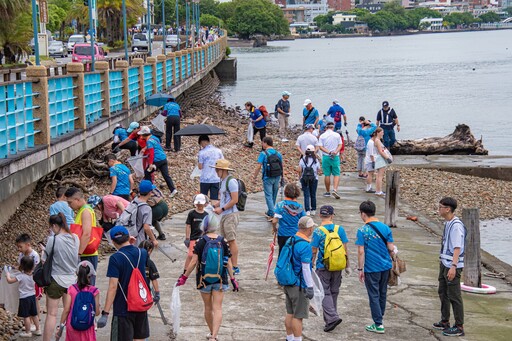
187, 242
58, 332
181, 281
373, 164
345, 124
156, 297
348, 271
389, 161
310, 292
235, 284
116, 149
102, 322
151, 168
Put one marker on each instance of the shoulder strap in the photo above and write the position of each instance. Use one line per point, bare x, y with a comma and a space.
309, 113
323, 229
129, 261
228, 179
336, 228
380, 234
76, 287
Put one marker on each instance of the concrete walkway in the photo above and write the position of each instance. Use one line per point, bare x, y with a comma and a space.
257, 311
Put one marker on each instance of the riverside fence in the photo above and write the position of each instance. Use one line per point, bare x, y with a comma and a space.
38, 112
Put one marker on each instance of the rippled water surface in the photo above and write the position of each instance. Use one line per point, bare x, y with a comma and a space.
433, 81
496, 238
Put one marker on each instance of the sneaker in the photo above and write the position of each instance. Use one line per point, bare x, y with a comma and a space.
308, 213
37, 332
327, 194
161, 237
362, 176
313, 212
236, 270
168, 149
248, 145
174, 192
335, 194
32, 328
380, 194
284, 140
330, 326
375, 329
454, 331
26, 334
370, 191
441, 325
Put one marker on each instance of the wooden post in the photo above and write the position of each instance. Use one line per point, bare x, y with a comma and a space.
472, 274
392, 195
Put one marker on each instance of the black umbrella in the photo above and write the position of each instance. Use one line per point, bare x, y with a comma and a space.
199, 129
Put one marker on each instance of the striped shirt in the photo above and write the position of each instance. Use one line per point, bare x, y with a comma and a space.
454, 235
376, 254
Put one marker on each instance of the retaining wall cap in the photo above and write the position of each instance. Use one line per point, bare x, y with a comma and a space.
171, 55
161, 57
178, 53
138, 61
121, 64
150, 60
102, 65
36, 71
75, 67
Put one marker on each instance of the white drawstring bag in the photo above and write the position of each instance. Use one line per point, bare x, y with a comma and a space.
318, 289
159, 123
195, 173
250, 133
176, 309
136, 164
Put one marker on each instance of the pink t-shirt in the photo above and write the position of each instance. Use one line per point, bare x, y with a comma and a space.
110, 206
76, 335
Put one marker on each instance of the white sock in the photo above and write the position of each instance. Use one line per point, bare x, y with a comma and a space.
289, 337
297, 338
368, 187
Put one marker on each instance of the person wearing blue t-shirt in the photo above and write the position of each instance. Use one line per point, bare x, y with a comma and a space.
173, 112
309, 114
258, 122
298, 296
270, 183
122, 179
120, 134
336, 112
61, 206
331, 280
157, 159
125, 325
287, 213
374, 242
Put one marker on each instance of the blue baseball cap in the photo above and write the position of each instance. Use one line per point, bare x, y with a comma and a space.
132, 127
146, 186
326, 210
118, 231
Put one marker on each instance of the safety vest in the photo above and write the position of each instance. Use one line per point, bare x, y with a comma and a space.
447, 247
78, 221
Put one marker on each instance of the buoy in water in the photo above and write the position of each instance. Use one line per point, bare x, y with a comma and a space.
485, 289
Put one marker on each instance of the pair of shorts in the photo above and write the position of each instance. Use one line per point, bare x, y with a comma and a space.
27, 307
331, 166
129, 327
212, 188
368, 167
297, 304
214, 287
228, 226
54, 290
191, 247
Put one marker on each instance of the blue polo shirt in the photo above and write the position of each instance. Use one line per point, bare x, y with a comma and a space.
123, 179
158, 150
119, 267
289, 212
312, 117
376, 254
301, 254
318, 241
334, 109
262, 159
172, 108
121, 133
255, 115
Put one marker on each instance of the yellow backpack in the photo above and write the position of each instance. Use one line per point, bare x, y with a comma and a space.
335, 257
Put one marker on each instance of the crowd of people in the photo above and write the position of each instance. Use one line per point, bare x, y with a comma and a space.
129, 218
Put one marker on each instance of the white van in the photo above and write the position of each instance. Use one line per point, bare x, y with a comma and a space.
76, 39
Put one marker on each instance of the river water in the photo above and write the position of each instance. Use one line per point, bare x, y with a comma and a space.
433, 81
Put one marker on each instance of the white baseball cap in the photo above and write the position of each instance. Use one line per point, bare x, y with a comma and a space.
310, 148
144, 130
306, 102
200, 199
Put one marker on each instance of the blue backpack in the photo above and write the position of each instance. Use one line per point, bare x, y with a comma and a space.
212, 261
284, 272
84, 309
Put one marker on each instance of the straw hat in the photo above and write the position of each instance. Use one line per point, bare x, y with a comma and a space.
222, 164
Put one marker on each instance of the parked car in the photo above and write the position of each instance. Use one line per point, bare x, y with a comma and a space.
58, 48
76, 39
82, 53
140, 42
171, 40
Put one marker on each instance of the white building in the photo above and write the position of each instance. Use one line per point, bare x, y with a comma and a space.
340, 18
432, 24
312, 8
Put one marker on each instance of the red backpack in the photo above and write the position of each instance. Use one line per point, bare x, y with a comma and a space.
264, 112
139, 297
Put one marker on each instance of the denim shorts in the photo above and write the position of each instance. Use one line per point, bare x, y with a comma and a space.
214, 287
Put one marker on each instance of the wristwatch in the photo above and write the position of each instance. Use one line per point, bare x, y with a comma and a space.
223, 209
359, 269
455, 265
103, 312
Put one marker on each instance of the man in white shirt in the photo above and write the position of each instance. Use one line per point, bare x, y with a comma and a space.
306, 139
330, 144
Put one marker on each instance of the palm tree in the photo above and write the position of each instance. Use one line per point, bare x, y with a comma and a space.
15, 30
8, 8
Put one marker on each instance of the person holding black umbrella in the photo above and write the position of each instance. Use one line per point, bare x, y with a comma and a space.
173, 112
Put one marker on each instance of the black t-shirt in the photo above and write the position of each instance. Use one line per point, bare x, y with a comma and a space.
198, 250
151, 272
194, 219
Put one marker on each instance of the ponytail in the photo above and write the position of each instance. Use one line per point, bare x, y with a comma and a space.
59, 220
83, 279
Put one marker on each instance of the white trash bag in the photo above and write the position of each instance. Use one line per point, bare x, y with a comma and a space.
137, 165
195, 173
318, 289
176, 309
159, 123
250, 133
9, 293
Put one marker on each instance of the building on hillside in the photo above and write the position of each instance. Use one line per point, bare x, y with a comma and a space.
341, 5
373, 8
312, 8
294, 15
280, 3
144, 18
346, 20
432, 24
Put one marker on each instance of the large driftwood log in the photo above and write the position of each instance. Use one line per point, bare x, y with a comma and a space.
460, 142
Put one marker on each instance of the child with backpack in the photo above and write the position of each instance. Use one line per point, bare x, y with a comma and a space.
308, 174
287, 212
27, 308
212, 260
152, 274
81, 305
193, 226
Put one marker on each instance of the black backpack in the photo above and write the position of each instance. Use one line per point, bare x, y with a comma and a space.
308, 173
273, 166
242, 193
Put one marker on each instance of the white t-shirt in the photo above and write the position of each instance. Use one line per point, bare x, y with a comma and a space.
454, 235
313, 164
371, 149
27, 285
225, 196
330, 140
33, 254
306, 139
